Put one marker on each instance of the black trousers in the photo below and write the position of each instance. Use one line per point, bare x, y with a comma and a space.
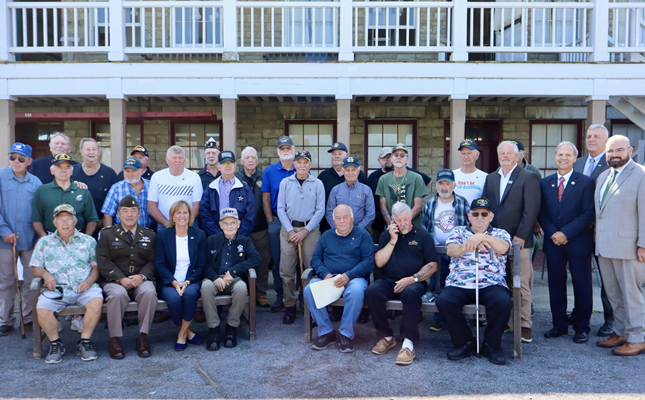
580, 268
381, 291
498, 302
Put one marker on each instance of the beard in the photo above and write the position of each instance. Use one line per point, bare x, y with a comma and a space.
617, 162
444, 194
132, 181
285, 157
388, 167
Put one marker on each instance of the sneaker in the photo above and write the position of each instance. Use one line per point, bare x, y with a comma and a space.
56, 351
345, 343
85, 350
323, 341
77, 324
405, 357
527, 335
383, 346
437, 326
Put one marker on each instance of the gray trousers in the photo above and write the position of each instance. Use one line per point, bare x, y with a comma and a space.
289, 260
263, 246
8, 285
237, 290
117, 298
624, 280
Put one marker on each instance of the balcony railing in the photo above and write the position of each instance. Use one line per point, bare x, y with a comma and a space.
574, 31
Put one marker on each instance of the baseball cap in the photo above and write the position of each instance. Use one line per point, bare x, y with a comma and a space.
211, 144
226, 155
128, 201
480, 203
445, 175
228, 213
22, 149
302, 154
141, 150
338, 146
400, 146
60, 158
351, 161
385, 151
520, 145
64, 208
469, 144
132, 163
285, 141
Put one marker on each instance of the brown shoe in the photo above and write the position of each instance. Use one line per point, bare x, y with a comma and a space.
162, 316
527, 335
630, 349
612, 341
383, 346
143, 348
405, 356
116, 351
262, 301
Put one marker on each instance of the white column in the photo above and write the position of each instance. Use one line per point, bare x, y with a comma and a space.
117, 31
459, 30
117, 132
457, 130
7, 129
346, 27
5, 33
343, 108
596, 112
600, 31
230, 31
229, 119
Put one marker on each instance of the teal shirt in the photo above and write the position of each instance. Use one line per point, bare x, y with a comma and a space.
50, 196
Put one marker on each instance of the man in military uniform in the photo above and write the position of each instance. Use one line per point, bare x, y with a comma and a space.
125, 257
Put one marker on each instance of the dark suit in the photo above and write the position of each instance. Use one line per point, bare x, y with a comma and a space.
516, 212
180, 307
573, 216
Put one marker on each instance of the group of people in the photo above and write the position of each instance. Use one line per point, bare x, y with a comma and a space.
181, 236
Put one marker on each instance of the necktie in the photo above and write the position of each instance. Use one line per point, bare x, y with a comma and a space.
609, 185
589, 167
561, 188
131, 236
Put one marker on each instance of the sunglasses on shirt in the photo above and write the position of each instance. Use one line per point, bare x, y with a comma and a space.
21, 159
476, 214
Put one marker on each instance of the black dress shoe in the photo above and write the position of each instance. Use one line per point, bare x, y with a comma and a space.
231, 336
461, 352
581, 337
555, 332
606, 329
5, 330
496, 356
212, 342
289, 315
364, 317
572, 317
277, 306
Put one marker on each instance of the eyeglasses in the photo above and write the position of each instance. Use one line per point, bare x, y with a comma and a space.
400, 155
228, 224
476, 214
20, 159
610, 152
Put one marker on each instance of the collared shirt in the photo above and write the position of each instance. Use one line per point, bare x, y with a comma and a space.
504, 180
69, 263
566, 178
122, 189
16, 198
304, 203
589, 168
359, 197
273, 175
611, 172
459, 204
492, 266
50, 196
227, 252
225, 187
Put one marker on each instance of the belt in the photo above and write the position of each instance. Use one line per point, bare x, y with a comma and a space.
299, 224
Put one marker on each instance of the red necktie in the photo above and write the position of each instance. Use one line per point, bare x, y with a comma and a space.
561, 188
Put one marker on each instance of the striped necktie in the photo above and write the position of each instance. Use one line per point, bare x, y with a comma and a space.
609, 185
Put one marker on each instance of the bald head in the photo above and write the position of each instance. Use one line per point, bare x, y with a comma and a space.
618, 151
343, 219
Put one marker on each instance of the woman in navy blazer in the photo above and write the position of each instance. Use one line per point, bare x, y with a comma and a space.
180, 257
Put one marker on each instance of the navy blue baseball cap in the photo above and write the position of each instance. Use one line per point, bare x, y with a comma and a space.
141, 150
302, 154
338, 146
22, 149
445, 175
480, 203
351, 161
520, 145
469, 144
285, 141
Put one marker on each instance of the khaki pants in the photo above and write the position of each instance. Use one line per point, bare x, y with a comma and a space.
117, 298
8, 285
526, 277
237, 290
262, 245
289, 260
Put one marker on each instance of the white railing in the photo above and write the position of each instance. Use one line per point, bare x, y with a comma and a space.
59, 27
627, 27
393, 26
270, 26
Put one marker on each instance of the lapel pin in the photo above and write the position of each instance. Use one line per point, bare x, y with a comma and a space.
192, 237
552, 185
573, 183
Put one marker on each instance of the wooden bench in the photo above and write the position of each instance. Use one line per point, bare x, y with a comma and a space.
223, 300
432, 307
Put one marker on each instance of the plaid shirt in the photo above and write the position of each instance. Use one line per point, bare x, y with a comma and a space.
121, 189
460, 205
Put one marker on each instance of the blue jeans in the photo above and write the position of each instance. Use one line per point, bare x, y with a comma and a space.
274, 241
353, 295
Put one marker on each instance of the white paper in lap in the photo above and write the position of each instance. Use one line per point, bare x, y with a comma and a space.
325, 293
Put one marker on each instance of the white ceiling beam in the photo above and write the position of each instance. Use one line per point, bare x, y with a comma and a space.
412, 98
280, 99
180, 99
396, 98
308, 99
368, 98
266, 99
166, 99
63, 99
502, 98
294, 98
487, 98
426, 98
382, 99
195, 99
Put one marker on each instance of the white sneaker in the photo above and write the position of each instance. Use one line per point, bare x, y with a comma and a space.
77, 324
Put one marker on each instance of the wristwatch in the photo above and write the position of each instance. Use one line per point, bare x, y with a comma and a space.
187, 282
416, 279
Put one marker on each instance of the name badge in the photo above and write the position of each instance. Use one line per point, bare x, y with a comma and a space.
117, 244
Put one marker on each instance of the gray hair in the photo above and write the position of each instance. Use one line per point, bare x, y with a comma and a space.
175, 149
64, 136
91, 140
351, 212
400, 208
566, 142
248, 149
505, 142
599, 126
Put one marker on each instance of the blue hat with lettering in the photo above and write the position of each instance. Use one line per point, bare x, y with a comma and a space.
468, 143
445, 175
132, 163
302, 154
480, 203
338, 146
353, 161
22, 149
225, 156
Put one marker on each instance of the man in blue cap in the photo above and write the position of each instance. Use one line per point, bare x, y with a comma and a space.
141, 154
133, 184
17, 188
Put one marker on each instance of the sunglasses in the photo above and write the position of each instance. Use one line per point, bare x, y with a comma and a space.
21, 159
476, 214
400, 155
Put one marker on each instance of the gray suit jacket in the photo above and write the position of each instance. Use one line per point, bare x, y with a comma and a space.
620, 223
579, 166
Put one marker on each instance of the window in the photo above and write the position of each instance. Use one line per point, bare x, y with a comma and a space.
633, 132
101, 17
305, 27
101, 132
487, 134
316, 137
382, 23
545, 137
380, 134
37, 135
192, 137
197, 26
132, 27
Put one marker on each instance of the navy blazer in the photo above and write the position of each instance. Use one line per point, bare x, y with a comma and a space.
572, 216
166, 255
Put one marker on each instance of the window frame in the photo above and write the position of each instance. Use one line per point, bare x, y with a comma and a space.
174, 122
332, 122
95, 123
579, 132
368, 122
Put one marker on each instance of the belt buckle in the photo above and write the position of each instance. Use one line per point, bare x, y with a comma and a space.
131, 269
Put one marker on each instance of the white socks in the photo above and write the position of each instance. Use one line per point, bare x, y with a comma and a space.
389, 338
407, 344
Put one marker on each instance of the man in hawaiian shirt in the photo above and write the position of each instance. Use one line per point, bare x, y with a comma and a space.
493, 245
66, 261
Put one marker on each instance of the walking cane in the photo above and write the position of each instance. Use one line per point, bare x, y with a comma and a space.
300, 258
477, 296
15, 272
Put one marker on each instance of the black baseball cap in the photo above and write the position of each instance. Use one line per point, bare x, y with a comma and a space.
129, 201
480, 203
61, 158
285, 141
520, 145
338, 146
469, 144
225, 156
141, 150
302, 154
